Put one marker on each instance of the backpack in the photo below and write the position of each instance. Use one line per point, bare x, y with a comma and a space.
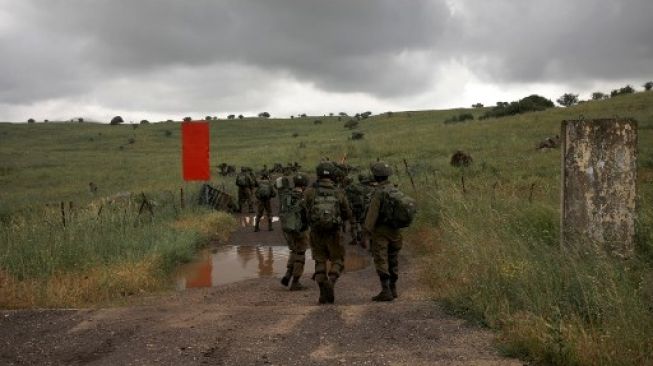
264, 190
325, 211
291, 213
242, 180
397, 209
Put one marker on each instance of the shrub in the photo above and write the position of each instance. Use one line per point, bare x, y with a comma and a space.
351, 124
240, 116
116, 120
357, 135
532, 103
264, 115
295, 134
145, 122
187, 119
46, 121
459, 118
131, 140
342, 114
317, 122
80, 120
622, 91
568, 99
168, 133
231, 116
31, 120
208, 118
477, 105
599, 95
648, 85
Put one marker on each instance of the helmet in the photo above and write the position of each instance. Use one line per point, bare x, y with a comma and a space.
300, 180
381, 169
325, 169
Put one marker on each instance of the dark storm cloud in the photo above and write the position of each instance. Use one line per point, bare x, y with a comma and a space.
238, 53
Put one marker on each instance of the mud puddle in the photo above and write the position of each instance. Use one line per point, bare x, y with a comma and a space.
233, 263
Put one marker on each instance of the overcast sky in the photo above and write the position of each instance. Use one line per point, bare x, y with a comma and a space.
161, 59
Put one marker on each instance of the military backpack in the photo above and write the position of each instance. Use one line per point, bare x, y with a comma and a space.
243, 180
397, 209
325, 211
356, 196
292, 215
264, 190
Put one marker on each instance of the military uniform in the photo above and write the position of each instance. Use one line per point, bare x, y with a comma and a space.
385, 241
264, 205
359, 196
245, 192
325, 244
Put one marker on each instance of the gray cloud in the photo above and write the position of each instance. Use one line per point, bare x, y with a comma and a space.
169, 56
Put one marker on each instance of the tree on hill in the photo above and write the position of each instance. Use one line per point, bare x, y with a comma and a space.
231, 116
116, 120
599, 96
145, 122
648, 85
531, 103
208, 118
187, 119
31, 120
240, 116
477, 105
622, 91
80, 120
568, 99
264, 115
342, 114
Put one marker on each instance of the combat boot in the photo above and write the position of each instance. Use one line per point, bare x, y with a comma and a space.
256, 222
296, 286
386, 293
323, 292
393, 288
330, 296
285, 280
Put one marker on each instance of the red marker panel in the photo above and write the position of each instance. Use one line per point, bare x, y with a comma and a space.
195, 150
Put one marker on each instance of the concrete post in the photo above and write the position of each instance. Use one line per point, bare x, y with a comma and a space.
599, 184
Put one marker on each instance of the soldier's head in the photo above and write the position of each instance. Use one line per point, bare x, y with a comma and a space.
325, 169
381, 171
300, 180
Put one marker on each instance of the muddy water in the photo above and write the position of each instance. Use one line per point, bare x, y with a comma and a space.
232, 263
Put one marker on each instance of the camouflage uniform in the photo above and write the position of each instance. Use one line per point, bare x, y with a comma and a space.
359, 196
297, 241
264, 206
385, 241
245, 193
326, 245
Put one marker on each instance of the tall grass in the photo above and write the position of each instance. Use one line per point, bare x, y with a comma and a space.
110, 254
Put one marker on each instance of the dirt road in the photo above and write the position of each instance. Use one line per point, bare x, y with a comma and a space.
253, 322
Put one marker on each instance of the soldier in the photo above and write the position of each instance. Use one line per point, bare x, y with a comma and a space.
244, 183
327, 209
264, 194
294, 222
383, 229
358, 195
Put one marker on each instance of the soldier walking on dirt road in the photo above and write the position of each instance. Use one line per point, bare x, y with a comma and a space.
293, 215
244, 183
388, 212
327, 209
264, 194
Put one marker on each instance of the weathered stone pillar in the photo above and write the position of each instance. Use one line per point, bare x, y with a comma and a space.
599, 184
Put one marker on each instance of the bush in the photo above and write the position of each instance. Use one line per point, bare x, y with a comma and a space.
80, 120
116, 120
622, 91
357, 135
240, 116
532, 103
648, 85
295, 134
264, 115
477, 105
145, 122
459, 118
568, 99
208, 118
187, 119
351, 124
31, 120
317, 122
231, 116
131, 140
342, 114
168, 133
599, 96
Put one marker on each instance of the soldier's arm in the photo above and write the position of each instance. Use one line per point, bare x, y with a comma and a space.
372, 212
345, 209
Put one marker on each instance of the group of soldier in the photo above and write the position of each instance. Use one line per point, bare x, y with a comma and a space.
315, 215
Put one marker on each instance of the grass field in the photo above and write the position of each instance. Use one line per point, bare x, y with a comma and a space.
493, 250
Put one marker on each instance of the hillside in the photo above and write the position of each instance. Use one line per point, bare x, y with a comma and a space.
492, 248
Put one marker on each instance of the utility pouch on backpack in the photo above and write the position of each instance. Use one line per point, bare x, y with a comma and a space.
325, 212
291, 215
264, 190
397, 209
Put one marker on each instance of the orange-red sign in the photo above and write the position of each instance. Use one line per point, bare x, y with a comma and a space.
195, 151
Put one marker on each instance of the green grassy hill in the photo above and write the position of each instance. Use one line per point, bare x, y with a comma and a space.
493, 249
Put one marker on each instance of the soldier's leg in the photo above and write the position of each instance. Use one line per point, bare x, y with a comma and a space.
379, 248
260, 208
285, 280
393, 264
336, 256
319, 253
268, 212
250, 199
241, 199
301, 244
